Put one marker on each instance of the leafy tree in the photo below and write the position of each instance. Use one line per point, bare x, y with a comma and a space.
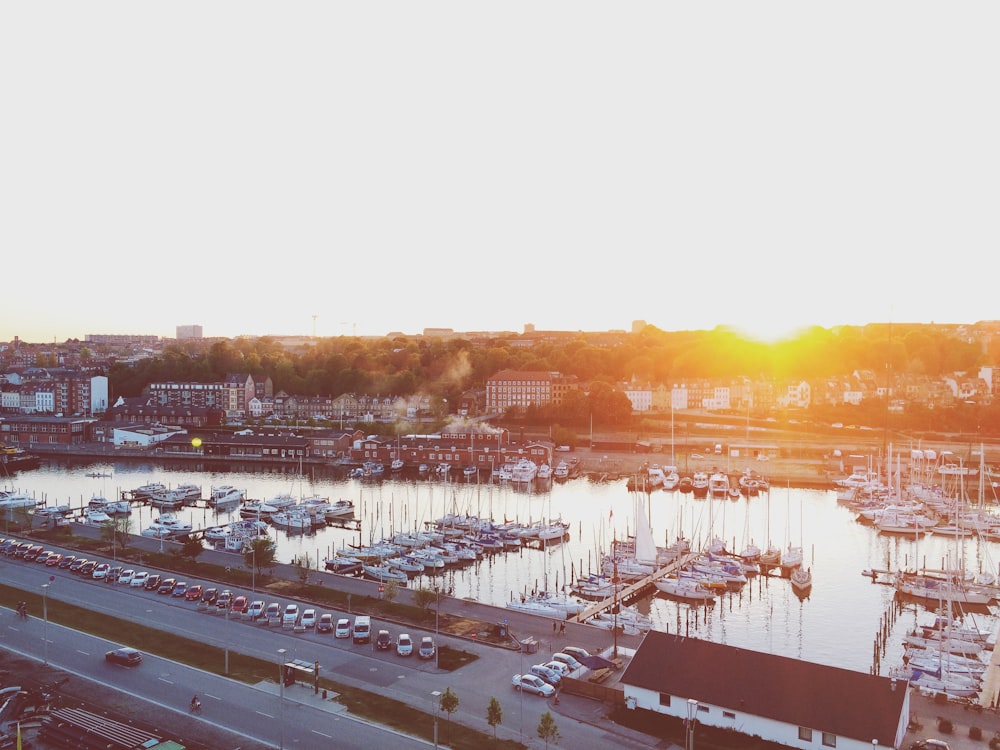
192, 548
390, 591
302, 565
424, 597
448, 702
260, 553
494, 715
547, 729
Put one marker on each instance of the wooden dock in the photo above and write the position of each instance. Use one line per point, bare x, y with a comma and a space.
634, 590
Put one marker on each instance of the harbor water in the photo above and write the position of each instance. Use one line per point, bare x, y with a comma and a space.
848, 620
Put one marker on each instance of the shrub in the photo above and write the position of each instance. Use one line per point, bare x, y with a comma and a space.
944, 726
975, 733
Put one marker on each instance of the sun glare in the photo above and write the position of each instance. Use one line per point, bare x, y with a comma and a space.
770, 331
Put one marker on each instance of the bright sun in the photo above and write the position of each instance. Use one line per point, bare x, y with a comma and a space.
769, 331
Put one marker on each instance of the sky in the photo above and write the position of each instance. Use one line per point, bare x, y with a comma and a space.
332, 168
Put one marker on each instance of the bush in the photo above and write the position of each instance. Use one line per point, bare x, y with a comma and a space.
944, 726
975, 733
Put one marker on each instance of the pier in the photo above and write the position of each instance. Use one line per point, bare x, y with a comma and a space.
634, 590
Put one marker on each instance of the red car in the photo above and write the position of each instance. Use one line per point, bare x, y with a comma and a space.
239, 605
193, 594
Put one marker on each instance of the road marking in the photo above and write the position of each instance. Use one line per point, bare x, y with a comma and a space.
322, 734
164, 679
261, 713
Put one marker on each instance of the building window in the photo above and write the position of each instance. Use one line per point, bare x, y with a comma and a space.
728, 715
664, 699
829, 739
805, 735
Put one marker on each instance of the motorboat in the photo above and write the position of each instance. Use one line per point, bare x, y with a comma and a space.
801, 579
225, 495
686, 589
339, 509
524, 471
144, 491
718, 484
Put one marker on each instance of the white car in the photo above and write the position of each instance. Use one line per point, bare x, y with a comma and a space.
530, 683
308, 619
342, 628
126, 576
101, 571
404, 645
255, 610
557, 666
290, 616
568, 660
576, 652
139, 579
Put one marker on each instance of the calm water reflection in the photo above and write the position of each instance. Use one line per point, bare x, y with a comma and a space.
837, 624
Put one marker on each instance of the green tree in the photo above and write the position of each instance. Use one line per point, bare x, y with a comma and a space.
494, 715
260, 553
390, 591
547, 729
424, 597
191, 548
448, 703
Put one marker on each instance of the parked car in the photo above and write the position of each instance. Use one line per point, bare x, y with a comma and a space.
342, 629
225, 599
153, 582
194, 593
179, 590
87, 569
255, 609
548, 674
210, 595
561, 668
32, 552
568, 660
54, 560
126, 656
239, 604
139, 579
383, 641
113, 573
167, 586
66, 561
404, 646
325, 623
44, 555
100, 570
530, 683
77, 564
308, 619
576, 652
427, 649
290, 616
126, 576
272, 614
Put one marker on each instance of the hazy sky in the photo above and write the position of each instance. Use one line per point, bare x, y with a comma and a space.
393, 166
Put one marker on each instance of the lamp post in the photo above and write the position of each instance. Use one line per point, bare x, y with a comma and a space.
281, 701
437, 629
692, 717
45, 622
436, 694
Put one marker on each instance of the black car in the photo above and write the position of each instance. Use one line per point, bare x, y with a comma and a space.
167, 586
152, 583
383, 641
78, 563
126, 656
210, 596
67, 561
325, 623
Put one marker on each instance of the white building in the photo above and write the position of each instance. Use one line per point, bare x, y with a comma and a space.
778, 699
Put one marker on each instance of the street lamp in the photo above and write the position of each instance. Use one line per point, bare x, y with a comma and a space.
281, 703
45, 622
436, 694
437, 629
692, 711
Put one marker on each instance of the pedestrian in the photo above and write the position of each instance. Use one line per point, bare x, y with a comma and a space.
553, 627
562, 628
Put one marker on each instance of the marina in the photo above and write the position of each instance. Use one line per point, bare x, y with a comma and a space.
840, 621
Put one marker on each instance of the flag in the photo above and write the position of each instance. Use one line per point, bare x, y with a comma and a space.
611, 513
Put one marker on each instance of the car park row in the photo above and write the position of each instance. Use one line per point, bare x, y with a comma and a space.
288, 616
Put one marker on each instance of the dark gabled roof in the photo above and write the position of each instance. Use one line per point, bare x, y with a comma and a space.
827, 699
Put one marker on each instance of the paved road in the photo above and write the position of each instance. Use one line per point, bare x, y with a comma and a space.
580, 721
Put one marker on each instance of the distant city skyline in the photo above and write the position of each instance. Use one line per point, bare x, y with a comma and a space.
370, 169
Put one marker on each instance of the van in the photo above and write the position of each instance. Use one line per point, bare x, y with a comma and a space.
362, 632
